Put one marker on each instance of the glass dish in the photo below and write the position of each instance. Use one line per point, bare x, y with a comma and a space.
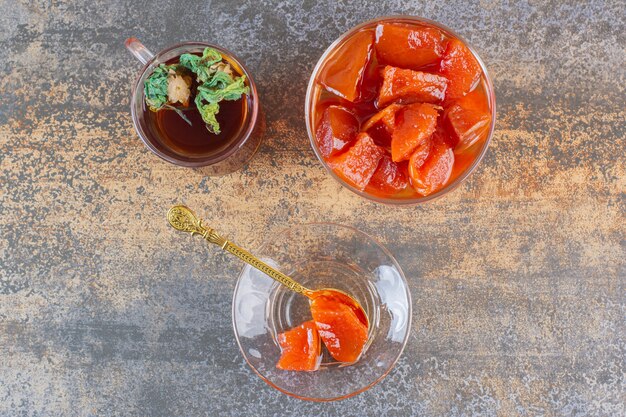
321, 255
313, 91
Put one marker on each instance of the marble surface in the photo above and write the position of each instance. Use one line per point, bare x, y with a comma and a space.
517, 277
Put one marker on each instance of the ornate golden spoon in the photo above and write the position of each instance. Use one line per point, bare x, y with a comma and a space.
183, 219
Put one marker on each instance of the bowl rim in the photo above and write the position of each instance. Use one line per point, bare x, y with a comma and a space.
394, 262
398, 202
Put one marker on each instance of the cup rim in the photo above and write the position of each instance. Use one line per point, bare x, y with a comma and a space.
394, 262
386, 200
244, 136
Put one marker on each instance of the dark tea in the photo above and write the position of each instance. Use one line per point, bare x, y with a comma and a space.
196, 105
195, 140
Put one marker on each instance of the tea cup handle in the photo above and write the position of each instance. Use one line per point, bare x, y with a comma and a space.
138, 50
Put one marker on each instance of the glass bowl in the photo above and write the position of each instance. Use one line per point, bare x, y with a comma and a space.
312, 92
322, 255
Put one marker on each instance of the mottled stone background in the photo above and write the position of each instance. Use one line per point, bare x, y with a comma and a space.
517, 277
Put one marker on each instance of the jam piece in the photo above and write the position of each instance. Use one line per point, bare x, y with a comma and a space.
444, 134
339, 328
357, 165
389, 178
380, 134
468, 120
418, 94
461, 69
408, 86
408, 47
415, 123
343, 72
300, 348
343, 298
370, 83
432, 174
336, 130
419, 155
387, 116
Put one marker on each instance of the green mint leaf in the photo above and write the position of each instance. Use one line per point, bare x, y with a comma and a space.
222, 91
155, 88
220, 79
209, 112
201, 66
222, 87
215, 83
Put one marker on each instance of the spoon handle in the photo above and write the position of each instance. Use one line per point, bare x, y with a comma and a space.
183, 219
255, 262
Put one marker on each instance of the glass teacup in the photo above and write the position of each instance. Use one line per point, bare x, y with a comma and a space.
221, 160
322, 255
